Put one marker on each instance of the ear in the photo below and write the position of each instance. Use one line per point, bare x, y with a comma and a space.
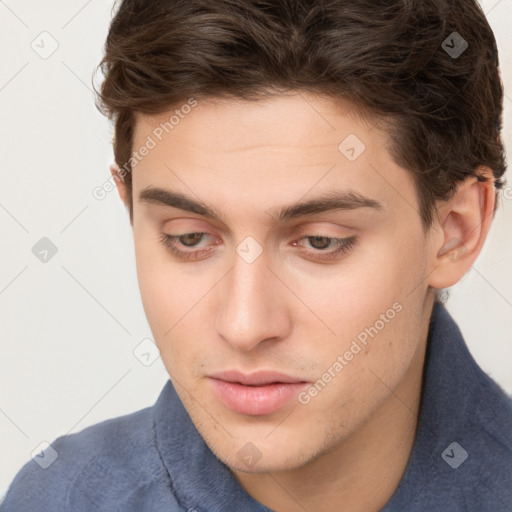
463, 223
119, 181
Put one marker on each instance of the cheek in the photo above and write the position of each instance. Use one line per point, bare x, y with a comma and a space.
374, 306
172, 296
164, 291
360, 367
353, 294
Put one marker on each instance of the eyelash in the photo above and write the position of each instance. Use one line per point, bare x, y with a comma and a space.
344, 245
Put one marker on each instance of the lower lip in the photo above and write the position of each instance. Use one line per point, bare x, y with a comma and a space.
256, 400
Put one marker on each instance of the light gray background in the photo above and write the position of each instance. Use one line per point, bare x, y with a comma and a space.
69, 326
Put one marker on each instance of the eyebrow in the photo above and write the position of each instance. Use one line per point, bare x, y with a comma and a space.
347, 200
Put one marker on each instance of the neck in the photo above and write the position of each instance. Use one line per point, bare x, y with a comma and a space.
363, 472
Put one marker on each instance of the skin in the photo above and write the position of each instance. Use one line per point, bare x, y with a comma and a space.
286, 311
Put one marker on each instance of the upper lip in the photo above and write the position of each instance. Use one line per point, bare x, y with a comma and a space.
259, 378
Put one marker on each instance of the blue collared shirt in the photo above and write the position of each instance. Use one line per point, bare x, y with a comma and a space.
154, 460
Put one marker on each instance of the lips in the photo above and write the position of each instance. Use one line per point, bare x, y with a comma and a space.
260, 378
255, 394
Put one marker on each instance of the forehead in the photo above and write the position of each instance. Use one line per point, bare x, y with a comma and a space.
307, 117
274, 150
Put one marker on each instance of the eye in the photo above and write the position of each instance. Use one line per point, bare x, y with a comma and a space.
321, 243
325, 248
187, 240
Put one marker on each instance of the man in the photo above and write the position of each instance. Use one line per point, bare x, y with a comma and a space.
302, 179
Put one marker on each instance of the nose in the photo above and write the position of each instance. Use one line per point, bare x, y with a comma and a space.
253, 305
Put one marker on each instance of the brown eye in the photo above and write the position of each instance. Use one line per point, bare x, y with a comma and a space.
327, 248
320, 242
187, 240
190, 239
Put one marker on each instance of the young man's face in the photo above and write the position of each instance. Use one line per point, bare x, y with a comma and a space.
256, 294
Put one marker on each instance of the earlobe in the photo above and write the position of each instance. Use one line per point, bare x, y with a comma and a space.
118, 180
464, 222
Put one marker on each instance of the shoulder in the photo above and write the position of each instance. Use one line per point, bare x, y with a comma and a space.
490, 425
463, 457
489, 412
478, 458
472, 403
89, 468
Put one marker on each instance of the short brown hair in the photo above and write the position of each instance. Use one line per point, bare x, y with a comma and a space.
442, 111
